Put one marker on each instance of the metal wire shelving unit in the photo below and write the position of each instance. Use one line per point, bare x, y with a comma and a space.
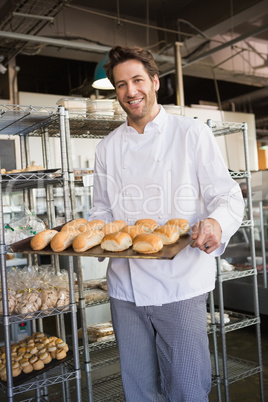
22, 121
228, 369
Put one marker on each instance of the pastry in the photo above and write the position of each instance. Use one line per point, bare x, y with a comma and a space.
114, 226
63, 240
85, 241
149, 225
74, 224
117, 241
92, 225
168, 233
182, 225
133, 230
147, 243
42, 239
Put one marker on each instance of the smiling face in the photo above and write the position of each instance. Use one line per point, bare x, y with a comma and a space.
136, 92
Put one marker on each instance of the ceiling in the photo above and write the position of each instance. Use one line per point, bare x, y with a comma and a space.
224, 44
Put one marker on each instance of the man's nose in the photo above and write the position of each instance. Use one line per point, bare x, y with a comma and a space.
131, 90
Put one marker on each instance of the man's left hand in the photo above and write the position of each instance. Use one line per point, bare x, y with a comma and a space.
206, 235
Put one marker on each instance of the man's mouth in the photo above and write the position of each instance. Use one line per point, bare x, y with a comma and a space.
135, 102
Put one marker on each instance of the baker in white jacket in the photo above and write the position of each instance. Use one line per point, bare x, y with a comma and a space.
162, 166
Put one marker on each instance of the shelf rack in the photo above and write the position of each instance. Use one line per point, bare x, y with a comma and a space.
22, 121
227, 369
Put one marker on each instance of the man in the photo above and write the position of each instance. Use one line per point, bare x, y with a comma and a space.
162, 166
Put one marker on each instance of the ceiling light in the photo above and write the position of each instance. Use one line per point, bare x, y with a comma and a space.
3, 69
100, 79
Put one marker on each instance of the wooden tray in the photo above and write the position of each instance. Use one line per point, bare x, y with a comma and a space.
167, 253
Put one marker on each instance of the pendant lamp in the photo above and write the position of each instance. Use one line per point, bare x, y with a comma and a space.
100, 79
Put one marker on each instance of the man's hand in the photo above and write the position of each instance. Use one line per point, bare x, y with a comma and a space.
206, 235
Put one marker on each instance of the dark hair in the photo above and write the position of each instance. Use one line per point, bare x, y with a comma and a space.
119, 54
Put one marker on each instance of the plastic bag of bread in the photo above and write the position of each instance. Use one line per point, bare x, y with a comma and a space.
23, 227
93, 295
49, 298
11, 301
29, 302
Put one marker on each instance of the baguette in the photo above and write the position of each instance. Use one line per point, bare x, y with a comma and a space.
85, 241
147, 243
117, 241
42, 239
63, 240
74, 224
182, 225
92, 225
113, 227
168, 233
149, 225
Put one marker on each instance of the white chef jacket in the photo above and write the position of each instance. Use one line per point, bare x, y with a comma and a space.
173, 170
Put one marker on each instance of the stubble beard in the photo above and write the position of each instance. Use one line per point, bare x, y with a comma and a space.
151, 99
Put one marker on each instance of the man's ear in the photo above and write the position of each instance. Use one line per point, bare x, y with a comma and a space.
156, 82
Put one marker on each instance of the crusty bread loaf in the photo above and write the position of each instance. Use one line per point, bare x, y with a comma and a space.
147, 243
168, 233
149, 225
182, 225
117, 241
85, 241
42, 239
74, 224
63, 240
113, 227
92, 225
133, 230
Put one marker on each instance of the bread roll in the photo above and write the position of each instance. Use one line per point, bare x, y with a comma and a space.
147, 243
45, 357
182, 225
87, 240
38, 364
63, 240
92, 225
168, 233
133, 230
113, 227
28, 368
74, 224
149, 225
117, 241
60, 354
52, 350
42, 239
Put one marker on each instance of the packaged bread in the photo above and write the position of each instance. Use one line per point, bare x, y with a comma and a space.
147, 243
168, 233
63, 240
98, 332
182, 225
117, 241
148, 225
133, 230
42, 239
92, 225
113, 227
85, 241
93, 295
74, 224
